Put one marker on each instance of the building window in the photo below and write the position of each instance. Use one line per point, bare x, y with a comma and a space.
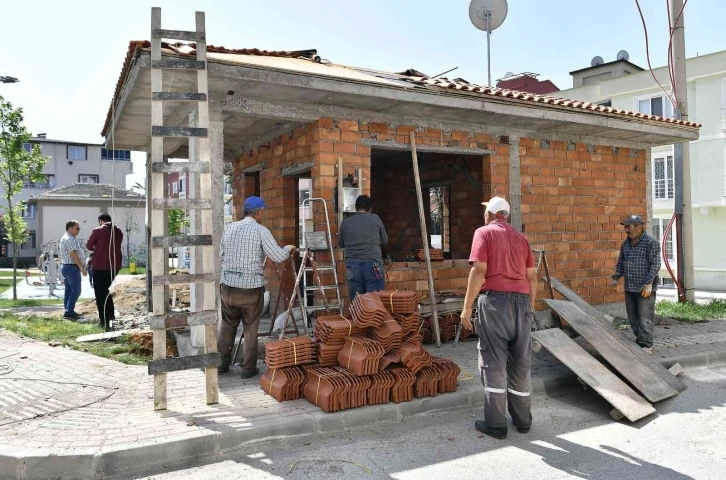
47, 182
87, 178
439, 228
28, 147
182, 186
606, 103
109, 154
176, 186
657, 105
76, 153
663, 183
30, 242
659, 226
28, 211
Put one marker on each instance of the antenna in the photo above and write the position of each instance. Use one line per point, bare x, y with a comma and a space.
623, 55
488, 15
596, 61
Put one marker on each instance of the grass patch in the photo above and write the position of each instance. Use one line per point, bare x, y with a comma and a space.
21, 273
64, 331
29, 302
139, 271
691, 312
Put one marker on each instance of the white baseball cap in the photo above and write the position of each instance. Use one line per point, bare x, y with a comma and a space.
497, 205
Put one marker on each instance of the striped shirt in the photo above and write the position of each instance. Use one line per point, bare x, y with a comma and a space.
69, 243
245, 244
639, 263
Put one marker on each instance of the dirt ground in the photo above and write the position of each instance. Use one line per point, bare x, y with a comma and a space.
129, 298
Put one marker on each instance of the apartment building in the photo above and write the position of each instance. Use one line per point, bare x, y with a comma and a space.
623, 85
69, 163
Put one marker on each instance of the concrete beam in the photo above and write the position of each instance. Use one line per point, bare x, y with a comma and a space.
522, 109
126, 91
515, 184
232, 154
425, 148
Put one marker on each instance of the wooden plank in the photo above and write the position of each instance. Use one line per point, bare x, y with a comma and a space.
602, 380
425, 240
179, 96
97, 337
183, 319
646, 381
182, 278
184, 203
178, 35
160, 131
620, 336
184, 363
179, 167
181, 241
211, 373
180, 63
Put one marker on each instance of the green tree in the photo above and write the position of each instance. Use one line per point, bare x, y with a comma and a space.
17, 165
178, 219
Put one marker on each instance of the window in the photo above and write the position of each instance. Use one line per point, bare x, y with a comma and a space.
176, 186
439, 221
657, 105
606, 103
182, 186
109, 154
659, 226
47, 182
76, 153
663, 184
30, 242
87, 178
28, 211
27, 147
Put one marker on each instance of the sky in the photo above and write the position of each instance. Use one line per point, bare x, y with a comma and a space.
68, 55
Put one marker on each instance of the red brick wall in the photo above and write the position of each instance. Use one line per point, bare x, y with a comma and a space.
572, 195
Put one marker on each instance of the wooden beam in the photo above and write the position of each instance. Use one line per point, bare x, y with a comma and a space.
159, 131
184, 203
178, 35
179, 96
184, 363
181, 241
182, 278
178, 63
179, 167
183, 319
425, 239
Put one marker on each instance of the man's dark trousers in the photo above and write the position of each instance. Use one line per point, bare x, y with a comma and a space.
102, 280
504, 324
641, 312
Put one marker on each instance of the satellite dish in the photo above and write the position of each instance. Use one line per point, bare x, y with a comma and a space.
596, 61
623, 55
508, 74
496, 10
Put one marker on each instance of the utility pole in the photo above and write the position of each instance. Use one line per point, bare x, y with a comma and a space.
682, 163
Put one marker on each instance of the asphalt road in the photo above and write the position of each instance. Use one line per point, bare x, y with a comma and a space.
572, 437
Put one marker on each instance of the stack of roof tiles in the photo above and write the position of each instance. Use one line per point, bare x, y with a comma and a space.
389, 334
427, 382
326, 387
435, 254
409, 322
380, 389
283, 383
399, 302
368, 311
448, 372
402, 389
330, 331
289, 352
413, 355
361, 355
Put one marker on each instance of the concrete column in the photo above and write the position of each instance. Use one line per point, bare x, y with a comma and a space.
515, 184
648, 191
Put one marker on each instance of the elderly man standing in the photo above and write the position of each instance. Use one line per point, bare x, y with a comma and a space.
639, 263
71, 255
503, 272
244, 246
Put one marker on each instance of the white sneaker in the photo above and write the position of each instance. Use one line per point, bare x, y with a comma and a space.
648, 349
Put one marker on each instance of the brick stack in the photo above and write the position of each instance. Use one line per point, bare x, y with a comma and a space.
436, 254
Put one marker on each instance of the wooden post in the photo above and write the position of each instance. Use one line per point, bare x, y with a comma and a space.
425, 238
340, 191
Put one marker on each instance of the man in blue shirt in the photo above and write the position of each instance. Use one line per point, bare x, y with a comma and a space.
639, 263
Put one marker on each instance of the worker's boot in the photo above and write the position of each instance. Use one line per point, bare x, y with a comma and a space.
226, 362
498, 433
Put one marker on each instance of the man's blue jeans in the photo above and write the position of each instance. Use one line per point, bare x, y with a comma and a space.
364, 277
72, 275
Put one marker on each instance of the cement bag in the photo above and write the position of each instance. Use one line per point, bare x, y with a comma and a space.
281, 319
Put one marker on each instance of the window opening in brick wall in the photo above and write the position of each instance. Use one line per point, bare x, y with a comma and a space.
439, 226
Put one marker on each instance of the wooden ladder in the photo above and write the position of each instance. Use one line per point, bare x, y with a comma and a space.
202, 241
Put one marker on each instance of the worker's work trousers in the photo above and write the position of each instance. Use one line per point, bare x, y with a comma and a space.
641, 313
504, 322
241, 305
104, 300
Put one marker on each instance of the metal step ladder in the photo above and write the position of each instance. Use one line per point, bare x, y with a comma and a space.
202, 238
312, 242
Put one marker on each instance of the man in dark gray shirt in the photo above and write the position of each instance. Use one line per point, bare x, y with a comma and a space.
362, 236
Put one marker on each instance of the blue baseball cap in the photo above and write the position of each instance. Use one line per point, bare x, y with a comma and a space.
254, 202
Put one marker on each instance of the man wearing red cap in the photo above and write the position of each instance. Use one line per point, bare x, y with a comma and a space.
245, 244
505, 280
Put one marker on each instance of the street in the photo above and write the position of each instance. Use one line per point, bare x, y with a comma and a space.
572, 437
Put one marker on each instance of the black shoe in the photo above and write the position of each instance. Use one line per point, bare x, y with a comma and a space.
498, 433
226, 362
251, 374
223, 369
70, 316
523, 429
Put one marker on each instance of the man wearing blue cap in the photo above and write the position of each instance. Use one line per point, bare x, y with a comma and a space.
245, 244
639, 263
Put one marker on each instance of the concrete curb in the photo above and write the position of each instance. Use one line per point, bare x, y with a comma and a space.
119, 462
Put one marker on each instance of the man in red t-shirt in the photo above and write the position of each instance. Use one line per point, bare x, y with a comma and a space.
503, 272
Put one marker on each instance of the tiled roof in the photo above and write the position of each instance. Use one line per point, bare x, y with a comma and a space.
89, 191
413, 76
177, 49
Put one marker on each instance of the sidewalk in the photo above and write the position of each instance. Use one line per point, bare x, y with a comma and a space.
51, 425
26, 290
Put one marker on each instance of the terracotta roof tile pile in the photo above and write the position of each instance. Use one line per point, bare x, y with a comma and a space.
447, 326
409, 322
326, 387
328, 354
448, 372
283, 384
413, 355
389, 334
388, 359
427, 383
332, 329
426, 331
380, 390
435, 254
402, 302
367, 311
357, 395
404, 379
289, 352
361, 355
